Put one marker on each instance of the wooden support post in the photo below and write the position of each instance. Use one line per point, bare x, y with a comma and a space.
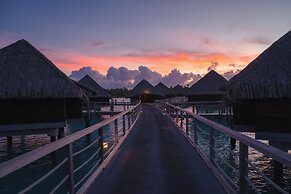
232, 143
211, 144
193, 109
87, 121
278, 173
53, 155
61, 133
177, 117
243, 168
187, 124
69, 149
87, 124
100, 133
116, 139
53, 138
9, 141
111, 107
123, 123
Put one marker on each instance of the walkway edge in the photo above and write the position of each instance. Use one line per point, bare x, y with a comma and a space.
224, 184
87, 185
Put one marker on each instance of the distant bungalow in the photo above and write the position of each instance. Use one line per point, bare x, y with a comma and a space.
90, 93
34, 93
145, 92
208, 88
163, 89
261, 93
102, 94
178, 90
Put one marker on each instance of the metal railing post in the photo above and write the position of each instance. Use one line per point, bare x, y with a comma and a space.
116, 139
69, 148
100, 132
187, 124
211, 144
128, 120
181, 119
195, 131
243, 168
177, 117
123, 123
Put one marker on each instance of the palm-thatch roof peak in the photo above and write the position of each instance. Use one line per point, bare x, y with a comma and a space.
268, 76
178, 90
210, 84
25, 73
91, 83
163, 88
144, 87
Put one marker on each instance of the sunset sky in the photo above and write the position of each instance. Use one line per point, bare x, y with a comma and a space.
162, 35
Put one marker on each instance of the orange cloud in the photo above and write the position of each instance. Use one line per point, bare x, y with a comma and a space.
162, 63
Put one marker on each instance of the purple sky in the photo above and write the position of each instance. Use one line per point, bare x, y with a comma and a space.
159, 37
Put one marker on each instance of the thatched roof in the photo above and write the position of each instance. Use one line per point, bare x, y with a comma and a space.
25, 73
89, 82
178, 90
88, 91
163, 88
268, 76
210, 84
144, 87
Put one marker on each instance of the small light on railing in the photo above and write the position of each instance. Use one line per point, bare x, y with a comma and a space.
105, 145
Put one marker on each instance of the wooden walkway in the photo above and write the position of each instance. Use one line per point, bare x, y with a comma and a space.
156, 159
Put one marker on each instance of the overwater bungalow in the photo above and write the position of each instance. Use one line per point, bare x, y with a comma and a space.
208, 88
90, 93
178, 90
35, 96
102, 94
163, 89
261, 93
145, 92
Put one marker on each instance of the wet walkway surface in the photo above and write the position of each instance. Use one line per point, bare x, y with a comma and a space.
156, 159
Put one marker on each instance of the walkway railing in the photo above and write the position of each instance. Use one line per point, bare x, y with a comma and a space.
75, 167
241, 174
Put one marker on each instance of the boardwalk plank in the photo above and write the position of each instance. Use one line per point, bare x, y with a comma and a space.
156, 159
